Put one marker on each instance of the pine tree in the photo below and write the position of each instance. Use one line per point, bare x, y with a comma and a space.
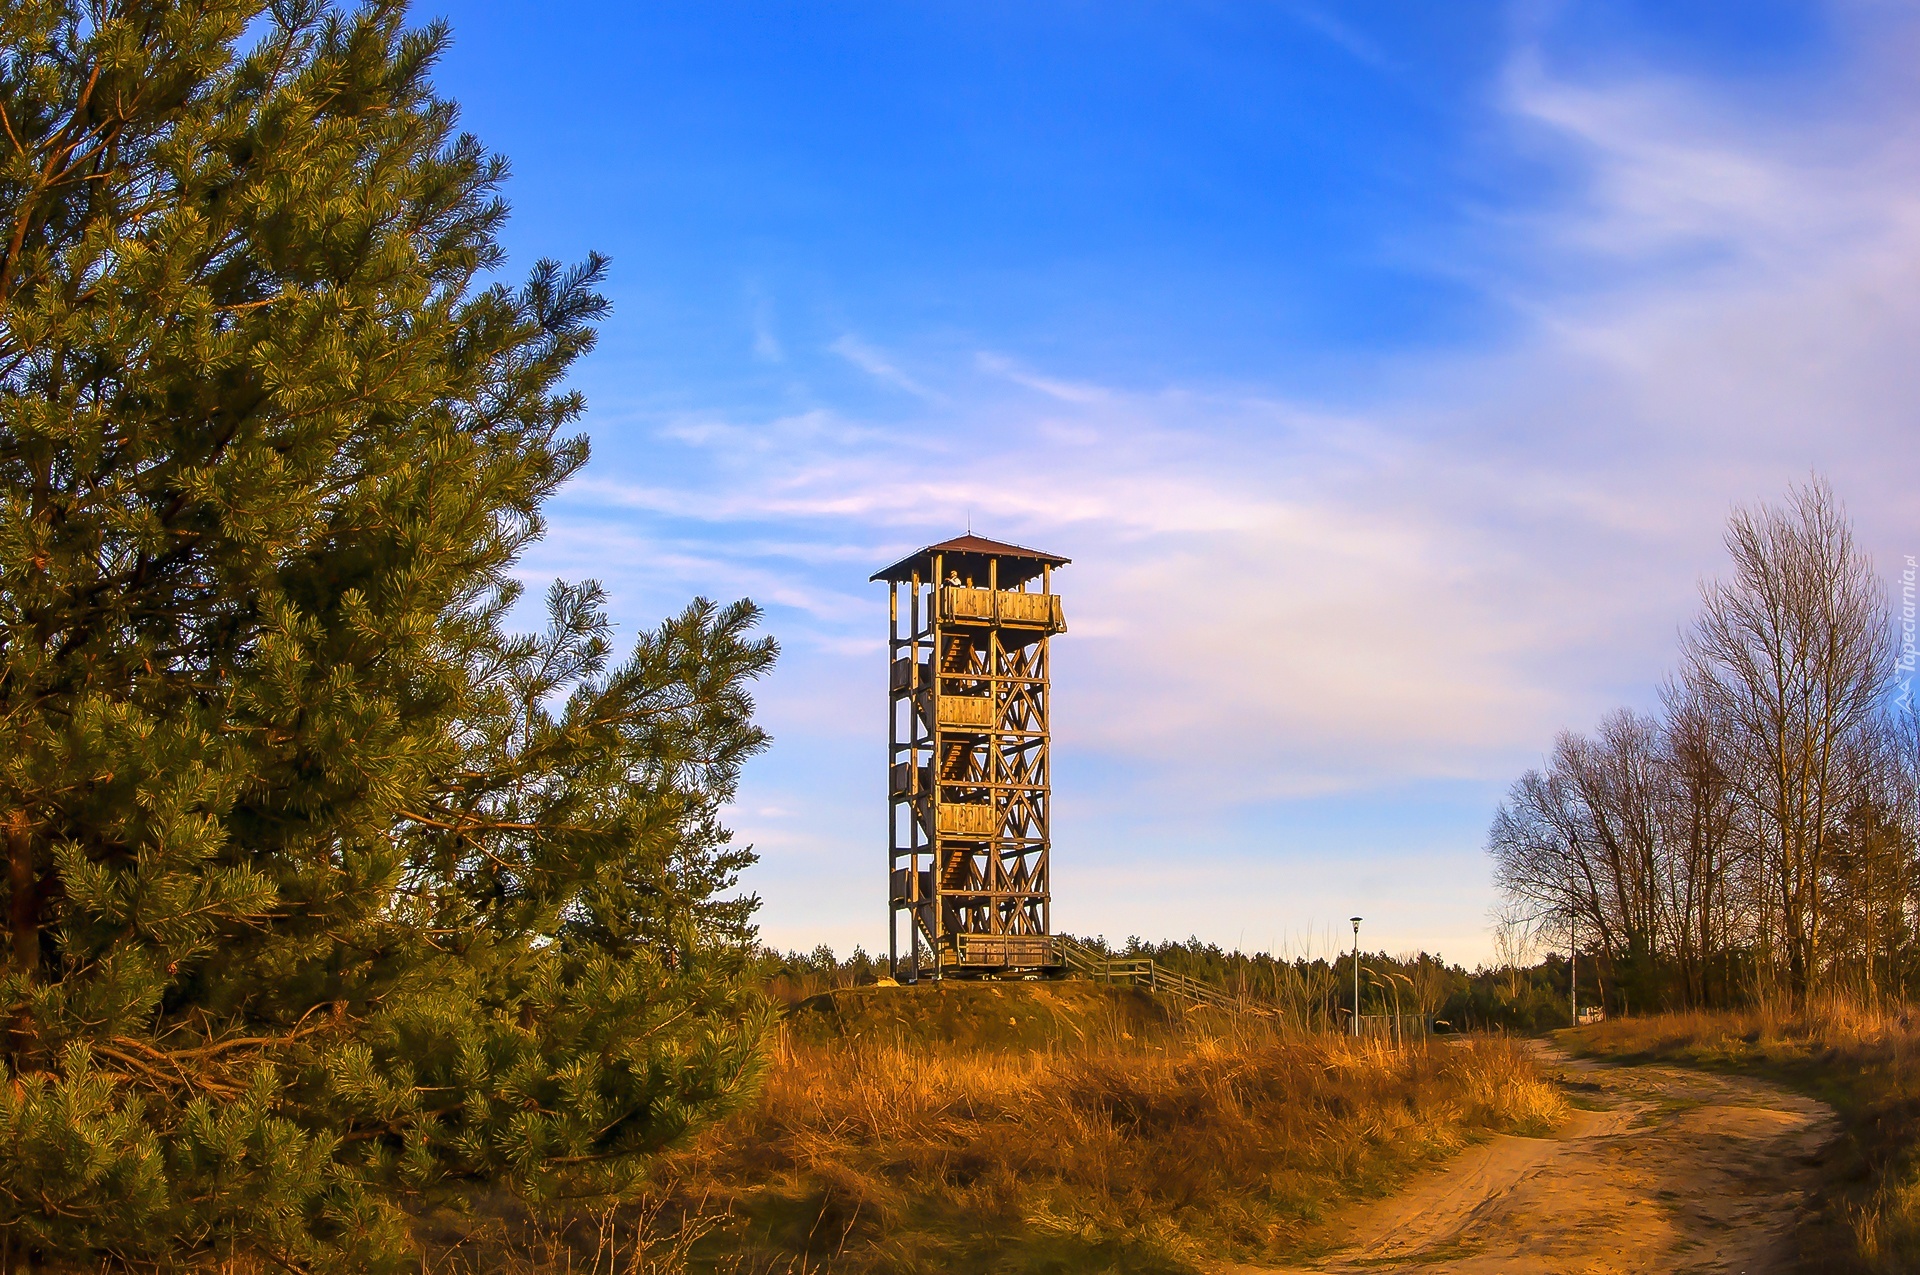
325, 889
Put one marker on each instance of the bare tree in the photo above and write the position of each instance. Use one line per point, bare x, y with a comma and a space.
1763, 830
1585, 843
1618, 775
1791, 654
1701, 875
1538, 843
1516, 940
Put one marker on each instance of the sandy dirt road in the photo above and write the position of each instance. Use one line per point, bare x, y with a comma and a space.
1675, 1171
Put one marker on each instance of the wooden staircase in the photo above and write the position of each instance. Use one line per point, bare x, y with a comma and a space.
1140, 971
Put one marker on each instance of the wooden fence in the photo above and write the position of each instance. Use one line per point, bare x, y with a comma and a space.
1399, 1028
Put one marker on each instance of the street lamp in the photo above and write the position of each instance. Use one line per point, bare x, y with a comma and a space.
1573, 952
1573, 969
1356, 978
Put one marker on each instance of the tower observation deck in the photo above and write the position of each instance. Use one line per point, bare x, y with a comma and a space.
968, 783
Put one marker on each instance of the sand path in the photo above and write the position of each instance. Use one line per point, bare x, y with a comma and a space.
1677, 1171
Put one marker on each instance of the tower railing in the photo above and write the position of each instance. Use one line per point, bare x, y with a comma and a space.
1143, 971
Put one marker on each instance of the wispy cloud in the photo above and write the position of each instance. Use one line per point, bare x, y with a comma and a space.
879, 367
766, 341
1665, 166
1341, 34
1076, 392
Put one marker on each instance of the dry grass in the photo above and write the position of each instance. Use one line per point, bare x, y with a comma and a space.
1864, 1062
1124, 1144
644, 1235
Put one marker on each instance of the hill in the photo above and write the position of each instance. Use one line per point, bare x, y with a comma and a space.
1040, 1015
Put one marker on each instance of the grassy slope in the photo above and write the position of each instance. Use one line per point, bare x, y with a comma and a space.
981, 1016
1866, 1066
1070, 1127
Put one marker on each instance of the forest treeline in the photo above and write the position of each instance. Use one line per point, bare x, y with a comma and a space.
1310, 993
1757, 838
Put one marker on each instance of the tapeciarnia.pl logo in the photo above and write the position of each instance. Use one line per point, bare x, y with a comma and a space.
1904, 665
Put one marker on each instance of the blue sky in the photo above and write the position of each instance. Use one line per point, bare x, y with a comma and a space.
1388, 370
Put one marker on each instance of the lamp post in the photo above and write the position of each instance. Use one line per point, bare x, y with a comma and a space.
1356, 978
1573, 952
1573, 971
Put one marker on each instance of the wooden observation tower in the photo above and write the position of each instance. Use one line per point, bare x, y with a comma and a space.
968, 783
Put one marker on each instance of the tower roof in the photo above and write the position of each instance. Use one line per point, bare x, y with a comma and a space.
968, 555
